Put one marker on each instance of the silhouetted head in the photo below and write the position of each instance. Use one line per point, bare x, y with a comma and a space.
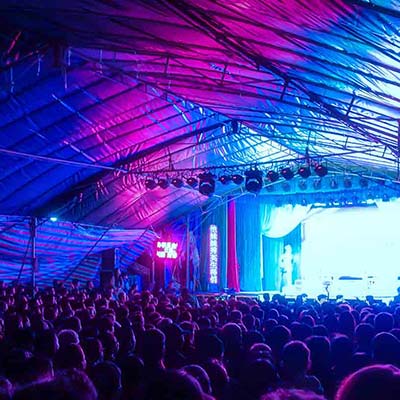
200, 375
300, 331
342, 350
295, 358
386, 349
231, 335
218, 377
68, 336
347, 323
46, 343
277, 338
70, 356
371, 383
209, 346
383, 322
153, 346
106, 377
172, 384
364, 334
320, 349
258, 377
93, 350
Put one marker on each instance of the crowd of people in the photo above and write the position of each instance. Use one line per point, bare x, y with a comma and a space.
111, 344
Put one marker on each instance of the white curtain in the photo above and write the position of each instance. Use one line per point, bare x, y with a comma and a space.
277, 222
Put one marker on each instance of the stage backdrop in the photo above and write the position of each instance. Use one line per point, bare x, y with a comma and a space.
262, 232
64, 250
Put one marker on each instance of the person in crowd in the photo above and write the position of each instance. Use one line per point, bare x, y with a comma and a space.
371, 383
70, 342
295, 363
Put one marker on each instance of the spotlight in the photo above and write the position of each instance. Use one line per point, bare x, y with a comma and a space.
285, 186
238, 179
381, 181
304, 171
206, 184
177, 182
272, 176
53, 218
317, 184
163, 183
303, 184
254, 180
320, 170
347, 183
270, 188
224, 179
287, 173
333, 184
150, 184
192, 181
363, 183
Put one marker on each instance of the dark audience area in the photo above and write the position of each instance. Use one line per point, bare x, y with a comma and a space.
85, 343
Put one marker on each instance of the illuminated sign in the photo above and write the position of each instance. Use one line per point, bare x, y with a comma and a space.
167, 250
213, 254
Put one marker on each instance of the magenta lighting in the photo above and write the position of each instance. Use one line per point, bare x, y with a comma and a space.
167, 250
213, 255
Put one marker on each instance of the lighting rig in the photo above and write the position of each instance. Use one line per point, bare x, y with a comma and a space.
312, 176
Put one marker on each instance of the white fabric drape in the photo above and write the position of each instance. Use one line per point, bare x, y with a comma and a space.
277, 222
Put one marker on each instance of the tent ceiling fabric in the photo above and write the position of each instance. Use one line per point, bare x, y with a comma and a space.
118, 85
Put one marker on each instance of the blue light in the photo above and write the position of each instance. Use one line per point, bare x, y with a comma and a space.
53, 219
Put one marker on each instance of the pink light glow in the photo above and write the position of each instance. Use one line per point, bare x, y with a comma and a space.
167, 250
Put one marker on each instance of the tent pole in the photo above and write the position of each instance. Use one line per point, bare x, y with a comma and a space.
188, 251
33, 226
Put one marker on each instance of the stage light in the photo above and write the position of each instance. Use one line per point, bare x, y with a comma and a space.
150, 183
270, 188
285, 186
254, 180
53, 219
303, 184
304, 171
206, 184
347, 183
224, 179
238, 179
192, 181
163, 183
381, 181
320, 170
177, 182
317, 184
363, 183
272, 176
333, 184
287, 173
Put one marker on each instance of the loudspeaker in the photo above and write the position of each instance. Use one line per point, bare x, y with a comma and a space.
110, 262
110, 259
